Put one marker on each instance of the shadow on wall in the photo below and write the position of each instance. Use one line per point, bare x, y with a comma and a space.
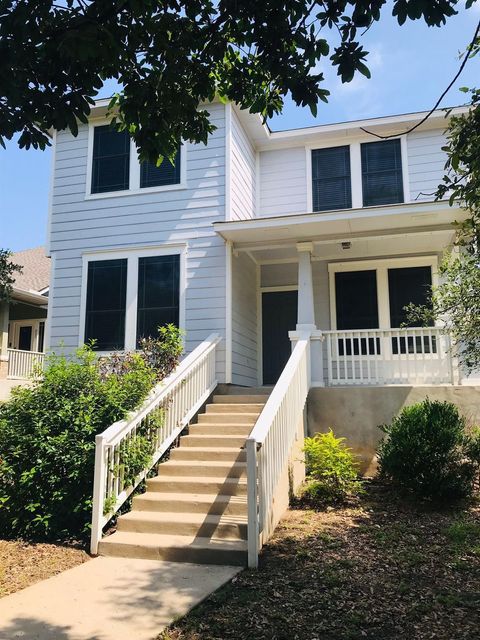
355, 413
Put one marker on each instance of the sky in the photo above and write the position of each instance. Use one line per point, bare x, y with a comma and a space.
410, 65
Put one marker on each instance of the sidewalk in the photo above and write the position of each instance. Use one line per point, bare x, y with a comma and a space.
109, 599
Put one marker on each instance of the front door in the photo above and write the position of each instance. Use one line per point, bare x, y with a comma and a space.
279, 316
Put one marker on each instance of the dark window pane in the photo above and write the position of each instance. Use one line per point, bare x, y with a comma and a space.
356, 300
382, 172
158, 293
25, 338
331, 182
106, 301
41, 336
166, 173
407, 285
111, 160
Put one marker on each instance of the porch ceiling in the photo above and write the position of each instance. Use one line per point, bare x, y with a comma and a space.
414, 227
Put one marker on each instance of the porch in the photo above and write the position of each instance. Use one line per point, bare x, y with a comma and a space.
345, 281
22, 334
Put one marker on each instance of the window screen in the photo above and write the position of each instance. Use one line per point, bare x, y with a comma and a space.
105, 309
407, 285
166, 173
382, 173
111, 160
158, 293
331, 181
356, 300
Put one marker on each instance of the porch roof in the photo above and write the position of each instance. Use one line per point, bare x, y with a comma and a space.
425, 226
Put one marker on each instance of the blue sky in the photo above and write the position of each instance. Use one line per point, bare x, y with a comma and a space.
410, 65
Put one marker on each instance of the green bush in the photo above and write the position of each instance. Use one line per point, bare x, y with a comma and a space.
47, 441
163, 352
428, 451
332, 473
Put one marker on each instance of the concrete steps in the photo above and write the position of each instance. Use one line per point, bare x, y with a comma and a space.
195, 510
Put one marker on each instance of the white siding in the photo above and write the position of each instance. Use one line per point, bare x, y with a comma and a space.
283, 182
80, 225
244, 321
426, 162
243, 172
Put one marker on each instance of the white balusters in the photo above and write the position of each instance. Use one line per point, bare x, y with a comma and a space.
22, 364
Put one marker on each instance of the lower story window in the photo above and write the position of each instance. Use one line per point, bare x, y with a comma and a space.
152, 289
106, 303
158, 293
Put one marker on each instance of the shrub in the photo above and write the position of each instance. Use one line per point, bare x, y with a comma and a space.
428, 451
162, 353
47, 441
332, 474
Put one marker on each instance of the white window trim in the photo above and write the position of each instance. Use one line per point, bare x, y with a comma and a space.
355, 169
381, 267
134, 174
132, 256
14, 332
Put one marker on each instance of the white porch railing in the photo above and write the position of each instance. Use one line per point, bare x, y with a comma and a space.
21, 364
389, 356
177, 399
270, 442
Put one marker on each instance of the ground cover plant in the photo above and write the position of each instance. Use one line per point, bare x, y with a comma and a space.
430, 451
384, 568
47, 440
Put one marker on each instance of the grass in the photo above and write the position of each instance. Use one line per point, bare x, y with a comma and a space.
381, 569
22, 564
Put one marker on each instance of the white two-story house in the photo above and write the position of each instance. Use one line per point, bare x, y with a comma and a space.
257, 236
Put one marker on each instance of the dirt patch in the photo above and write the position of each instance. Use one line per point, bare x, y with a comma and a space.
381, 570
23, 564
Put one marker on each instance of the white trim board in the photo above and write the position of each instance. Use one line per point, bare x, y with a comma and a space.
132, 255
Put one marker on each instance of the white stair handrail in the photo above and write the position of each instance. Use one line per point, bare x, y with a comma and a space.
269, 445
180, 396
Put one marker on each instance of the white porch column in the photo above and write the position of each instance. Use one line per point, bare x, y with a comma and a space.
4, 314
306, 309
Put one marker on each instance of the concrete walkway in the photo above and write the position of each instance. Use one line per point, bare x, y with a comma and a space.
109, 599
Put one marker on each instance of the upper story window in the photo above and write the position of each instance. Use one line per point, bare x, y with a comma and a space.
115, 167
111, 160
164, 174
382, 180
331, 179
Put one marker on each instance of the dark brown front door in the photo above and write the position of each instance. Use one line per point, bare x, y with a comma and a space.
279, 316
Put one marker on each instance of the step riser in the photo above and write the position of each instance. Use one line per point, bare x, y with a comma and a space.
195, 454
228, 418
233, 408
240, 399
218, 487
180, 506
204, 470
234, 531
221, 430
174, 554
234, 441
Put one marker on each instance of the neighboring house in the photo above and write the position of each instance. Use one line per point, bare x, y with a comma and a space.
317, 237
23, 320
327, 228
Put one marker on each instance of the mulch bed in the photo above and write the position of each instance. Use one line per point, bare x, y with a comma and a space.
381, 569
23, 564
